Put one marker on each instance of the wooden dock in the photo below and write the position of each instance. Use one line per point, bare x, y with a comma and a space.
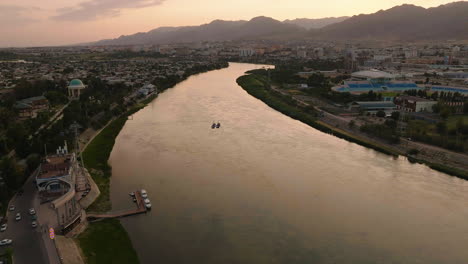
140, 209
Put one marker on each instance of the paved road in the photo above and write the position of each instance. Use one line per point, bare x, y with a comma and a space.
28, 242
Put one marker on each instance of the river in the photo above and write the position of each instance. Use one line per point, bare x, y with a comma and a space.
265, 188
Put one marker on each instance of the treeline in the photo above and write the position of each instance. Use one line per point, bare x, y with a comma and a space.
450, 134
128, 54
386, 131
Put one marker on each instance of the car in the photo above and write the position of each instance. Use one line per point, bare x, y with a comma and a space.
3, 228
18, 217
6, 242
34, 224
32, 211
34, 217
12, 207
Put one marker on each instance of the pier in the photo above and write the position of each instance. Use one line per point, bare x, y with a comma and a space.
140, 209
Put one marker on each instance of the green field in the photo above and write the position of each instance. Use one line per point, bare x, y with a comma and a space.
107, 242
95, 158
453, 120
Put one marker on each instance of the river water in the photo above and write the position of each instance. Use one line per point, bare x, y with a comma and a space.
265, 188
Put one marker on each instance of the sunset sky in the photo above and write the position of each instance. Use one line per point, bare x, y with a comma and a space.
57, 22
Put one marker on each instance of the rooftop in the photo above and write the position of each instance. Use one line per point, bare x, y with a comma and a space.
55, 166
372, 74
76, 83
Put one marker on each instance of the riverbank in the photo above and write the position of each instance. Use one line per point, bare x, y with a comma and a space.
257, 86
107, 242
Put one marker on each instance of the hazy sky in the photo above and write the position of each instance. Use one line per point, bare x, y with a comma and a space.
56, 22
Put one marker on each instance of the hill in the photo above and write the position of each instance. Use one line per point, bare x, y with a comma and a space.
405, 22
315, 23
400, 23
218, 30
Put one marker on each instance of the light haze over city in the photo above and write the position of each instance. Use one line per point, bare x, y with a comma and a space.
51, 22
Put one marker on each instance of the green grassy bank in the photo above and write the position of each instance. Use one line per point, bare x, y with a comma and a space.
107, 242
256, 86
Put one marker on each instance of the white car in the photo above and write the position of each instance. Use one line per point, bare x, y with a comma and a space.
6, 242
3, 228
12, 207
18, 217
34, 224
32, 211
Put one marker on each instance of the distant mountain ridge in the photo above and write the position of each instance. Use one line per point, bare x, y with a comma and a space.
404, 23
218, 30
308, 23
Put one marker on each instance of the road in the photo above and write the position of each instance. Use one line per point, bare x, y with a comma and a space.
28, 243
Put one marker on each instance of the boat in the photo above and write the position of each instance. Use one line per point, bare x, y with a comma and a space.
147, 203
144, 194
132, 194
213, 126
134, 199
218, 125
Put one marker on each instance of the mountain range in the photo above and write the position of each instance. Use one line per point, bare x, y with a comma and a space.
400, 23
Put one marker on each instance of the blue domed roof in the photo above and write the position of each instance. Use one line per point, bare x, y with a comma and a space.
76, 82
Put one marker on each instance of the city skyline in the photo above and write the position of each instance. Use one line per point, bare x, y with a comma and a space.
69, 22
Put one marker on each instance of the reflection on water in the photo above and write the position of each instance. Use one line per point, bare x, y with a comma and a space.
268, 189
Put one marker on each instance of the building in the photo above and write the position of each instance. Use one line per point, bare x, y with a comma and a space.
376, 81
30, 107
75, 89
56, 181
147, 89
449, 89
246, 52
414, 104
372, 107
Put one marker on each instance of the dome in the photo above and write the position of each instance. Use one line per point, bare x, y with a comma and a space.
76, 83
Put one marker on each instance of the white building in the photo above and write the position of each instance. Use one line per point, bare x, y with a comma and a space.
246, 52
75, 88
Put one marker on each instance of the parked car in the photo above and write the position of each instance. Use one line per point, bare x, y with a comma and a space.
12, 207
3, 228
34, 217
6, 242
18, 217
32, 211
34, 224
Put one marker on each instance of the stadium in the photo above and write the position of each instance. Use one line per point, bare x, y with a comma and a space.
376, 81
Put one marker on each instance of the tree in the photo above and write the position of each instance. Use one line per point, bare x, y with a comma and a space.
56, 98
380, 113
396, 115
441, 127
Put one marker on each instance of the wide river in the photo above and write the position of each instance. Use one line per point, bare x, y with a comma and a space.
265, 188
